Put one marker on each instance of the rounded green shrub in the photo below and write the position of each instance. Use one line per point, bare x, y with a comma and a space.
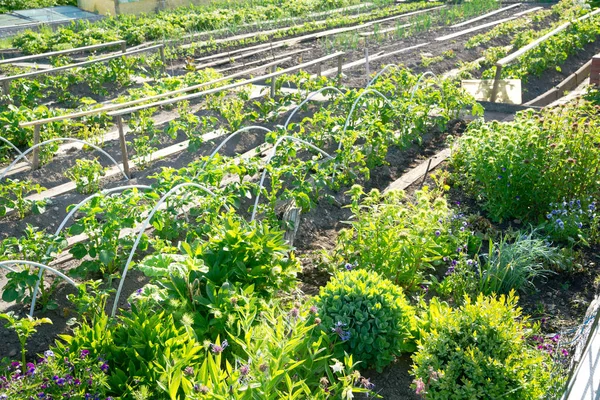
479, 351
369, 314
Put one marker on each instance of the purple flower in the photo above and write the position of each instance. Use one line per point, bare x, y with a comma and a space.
48, 354
348, 267
438, 233
41, 395
366, 383
218, 349
60, 381
84, 354
244, 370
104, 367
294, 313
338, 329
313, 310
564, 352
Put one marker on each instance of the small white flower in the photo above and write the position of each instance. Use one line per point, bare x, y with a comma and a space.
337, 367
347, 393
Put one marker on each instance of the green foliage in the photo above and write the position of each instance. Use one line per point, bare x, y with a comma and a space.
480, 351
10, 5
24, 328
13, 194
517, 169
369, 314
236, 251
514, 265
102, 221
398, 238
574, 222
37, 246
86, 174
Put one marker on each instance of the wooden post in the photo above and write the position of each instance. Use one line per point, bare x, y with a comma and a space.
496, 83
319, 69
35, 164
6, 88
163, 58
367, 69
123, 143
124, 47
273, 81
339, 70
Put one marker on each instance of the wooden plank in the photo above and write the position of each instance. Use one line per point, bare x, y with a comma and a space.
285, 55
231, 59
362, 61
116, 106
226, 87
486, 15
317, 35
474, 29
534, 44
534, 9
76, 65
417, 173
383, 31
61, 52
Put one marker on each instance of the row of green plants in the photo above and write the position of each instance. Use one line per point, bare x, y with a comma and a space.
230, 113
172, 24
413, 25
552, 53
89, 128
97, 78
12, 5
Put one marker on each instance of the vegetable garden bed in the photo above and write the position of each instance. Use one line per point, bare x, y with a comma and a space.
231, 309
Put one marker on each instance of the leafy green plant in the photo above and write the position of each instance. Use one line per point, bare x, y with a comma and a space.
24, 328
516, 264
516, 169
236, 251
369, 314
398, 238
13, 194
480, 351
573, 222
86, 174
102, 221
37, 246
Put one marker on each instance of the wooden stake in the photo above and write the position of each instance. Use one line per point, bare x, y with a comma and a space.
319, 69
273, 81
6, 88
35, 164
367, 69
340, 70
163, 58
426, 172
124, 47
123, 143
496, 83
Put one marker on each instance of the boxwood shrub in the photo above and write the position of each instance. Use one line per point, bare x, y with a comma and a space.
480, 351
369, 314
